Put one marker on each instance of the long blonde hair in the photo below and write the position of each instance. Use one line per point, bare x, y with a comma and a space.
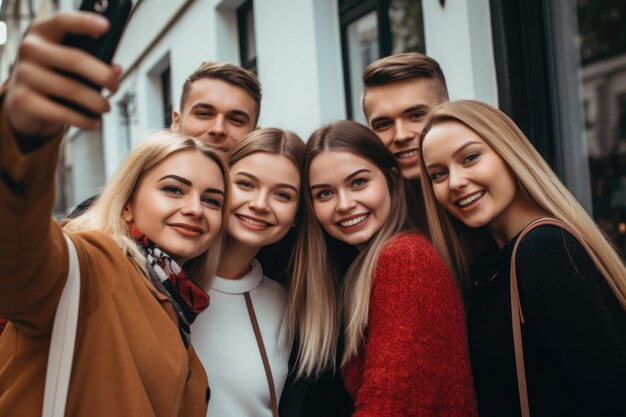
315, 285
106, 213
459, 245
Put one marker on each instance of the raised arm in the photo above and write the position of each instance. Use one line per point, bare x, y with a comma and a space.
32, 112
33, 257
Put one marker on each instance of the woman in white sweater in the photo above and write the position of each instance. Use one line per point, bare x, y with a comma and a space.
265, 183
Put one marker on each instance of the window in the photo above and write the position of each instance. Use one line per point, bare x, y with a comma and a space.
371, 29
247, 38
602, 36
159, 94
546, 54
166, 95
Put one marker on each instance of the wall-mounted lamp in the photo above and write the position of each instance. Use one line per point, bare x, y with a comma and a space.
127, 108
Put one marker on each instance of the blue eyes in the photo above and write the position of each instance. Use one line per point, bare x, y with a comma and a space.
471, 157
359, 182
355, 184
178, 191
324, 194
467, 160
249, 186
244, 184
212, 202
437, 174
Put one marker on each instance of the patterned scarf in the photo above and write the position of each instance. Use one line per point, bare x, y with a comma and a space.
188, 299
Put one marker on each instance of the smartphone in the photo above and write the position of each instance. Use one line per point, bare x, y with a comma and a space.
117, 12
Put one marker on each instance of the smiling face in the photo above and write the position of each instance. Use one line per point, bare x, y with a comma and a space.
470, 180
264, 199
178, 204
217, 112
350, 196
395, 112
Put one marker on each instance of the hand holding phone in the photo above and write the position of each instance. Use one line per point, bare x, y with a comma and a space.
103, 47
37, 78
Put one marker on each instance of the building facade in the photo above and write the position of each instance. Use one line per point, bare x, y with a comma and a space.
557, 67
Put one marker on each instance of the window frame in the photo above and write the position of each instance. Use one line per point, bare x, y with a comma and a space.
349, 12
243, 30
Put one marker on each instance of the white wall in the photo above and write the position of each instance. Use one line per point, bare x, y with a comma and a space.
299, 59
299, 63
87, 174
458, 36
154, 33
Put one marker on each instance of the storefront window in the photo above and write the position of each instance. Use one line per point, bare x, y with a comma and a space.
371, 29
363, 48
407, 26
602, 40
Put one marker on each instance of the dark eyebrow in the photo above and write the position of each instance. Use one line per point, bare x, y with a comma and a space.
204, 106
240, 113
378, 119
252, 177
465, 145
214, 191
419, 107
314, 186
247, 174
455, 153
188, 183
207, 106
348, 178
355, 173
177, 178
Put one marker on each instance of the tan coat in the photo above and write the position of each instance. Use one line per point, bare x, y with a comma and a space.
130, 359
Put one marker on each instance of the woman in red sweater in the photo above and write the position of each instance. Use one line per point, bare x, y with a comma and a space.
401, 314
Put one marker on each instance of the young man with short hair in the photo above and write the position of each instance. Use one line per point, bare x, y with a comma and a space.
398, 91
220, 103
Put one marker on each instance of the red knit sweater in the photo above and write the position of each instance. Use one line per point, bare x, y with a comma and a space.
415, 359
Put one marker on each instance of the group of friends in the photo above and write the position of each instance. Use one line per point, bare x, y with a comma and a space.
364, 272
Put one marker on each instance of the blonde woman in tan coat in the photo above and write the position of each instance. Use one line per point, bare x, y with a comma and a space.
145, 248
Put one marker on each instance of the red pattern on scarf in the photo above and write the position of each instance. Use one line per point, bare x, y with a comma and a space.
196, 298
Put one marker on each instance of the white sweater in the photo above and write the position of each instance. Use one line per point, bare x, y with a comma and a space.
224, 339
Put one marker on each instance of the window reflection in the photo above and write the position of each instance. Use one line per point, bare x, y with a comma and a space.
407, 26
363, 49
602, 35
372, 29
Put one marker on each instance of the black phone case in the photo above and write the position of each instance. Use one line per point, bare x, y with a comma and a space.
103, 48
116, 12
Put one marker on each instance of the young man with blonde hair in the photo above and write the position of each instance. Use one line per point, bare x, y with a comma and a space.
398, 91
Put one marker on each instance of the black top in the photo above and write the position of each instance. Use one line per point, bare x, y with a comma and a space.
325, 396
574, 336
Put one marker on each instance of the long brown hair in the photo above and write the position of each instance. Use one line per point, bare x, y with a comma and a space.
315, 285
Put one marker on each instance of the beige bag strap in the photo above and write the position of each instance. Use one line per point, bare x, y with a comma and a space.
61, 353
266, 362
516, 308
